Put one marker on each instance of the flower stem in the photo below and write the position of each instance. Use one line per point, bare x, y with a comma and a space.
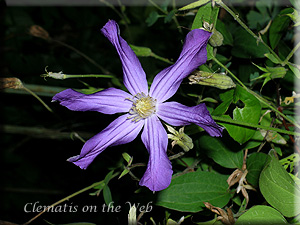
68, 197
166, 13
38, 98
82, 54
231, 121
161, 58
61, 76
291, 54
261, 99
259, 39
88, 75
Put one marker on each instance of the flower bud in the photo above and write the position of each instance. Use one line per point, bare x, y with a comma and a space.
132, 216
218, 80
216, 38
180, 138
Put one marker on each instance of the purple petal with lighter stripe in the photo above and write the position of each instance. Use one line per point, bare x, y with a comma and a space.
108, 101
177, 114
193, 54
158, 174
120, 131
134, 76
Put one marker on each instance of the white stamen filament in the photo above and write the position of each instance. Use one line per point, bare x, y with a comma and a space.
142, 107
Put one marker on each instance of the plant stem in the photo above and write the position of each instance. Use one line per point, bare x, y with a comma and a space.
247, 29
161, 58
231, 121
224, 67
68, 197
82, 54
166, 13
38, 98
88, 75
261, 99
38, 132
290, 55
61, 76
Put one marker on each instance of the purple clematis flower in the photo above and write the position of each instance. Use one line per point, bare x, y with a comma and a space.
143, 107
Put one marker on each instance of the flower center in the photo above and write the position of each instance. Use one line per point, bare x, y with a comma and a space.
142, 107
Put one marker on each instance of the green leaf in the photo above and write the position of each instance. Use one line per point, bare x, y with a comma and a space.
254, 18
220, 153
255, 164
255, 141
279, 189
126, 156
106, 190
194, 5
221, 27
152, 18
108, 177
208, 99
141, 51
272, 58
246, 46
188, 192
227, 98
261, 214
205, 13
278, 26
250, 113
170, 16
290, 162
124, 172
295, 69
107, 195
210, 52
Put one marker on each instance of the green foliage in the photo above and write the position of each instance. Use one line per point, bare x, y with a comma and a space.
279, 189
206, 13
245, 46
220, 153
255, 164
261, 215
279, 26
188, 192
249, 113
194, 5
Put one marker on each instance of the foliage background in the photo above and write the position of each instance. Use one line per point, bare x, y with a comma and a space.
34, 167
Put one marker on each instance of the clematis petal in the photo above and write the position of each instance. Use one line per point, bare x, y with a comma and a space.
120, 131
177, 114
134, 76
108, 101
159, 170
193, 54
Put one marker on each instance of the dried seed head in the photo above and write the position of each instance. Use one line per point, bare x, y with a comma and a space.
38, 31
225, 217
217, 80
11, 82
